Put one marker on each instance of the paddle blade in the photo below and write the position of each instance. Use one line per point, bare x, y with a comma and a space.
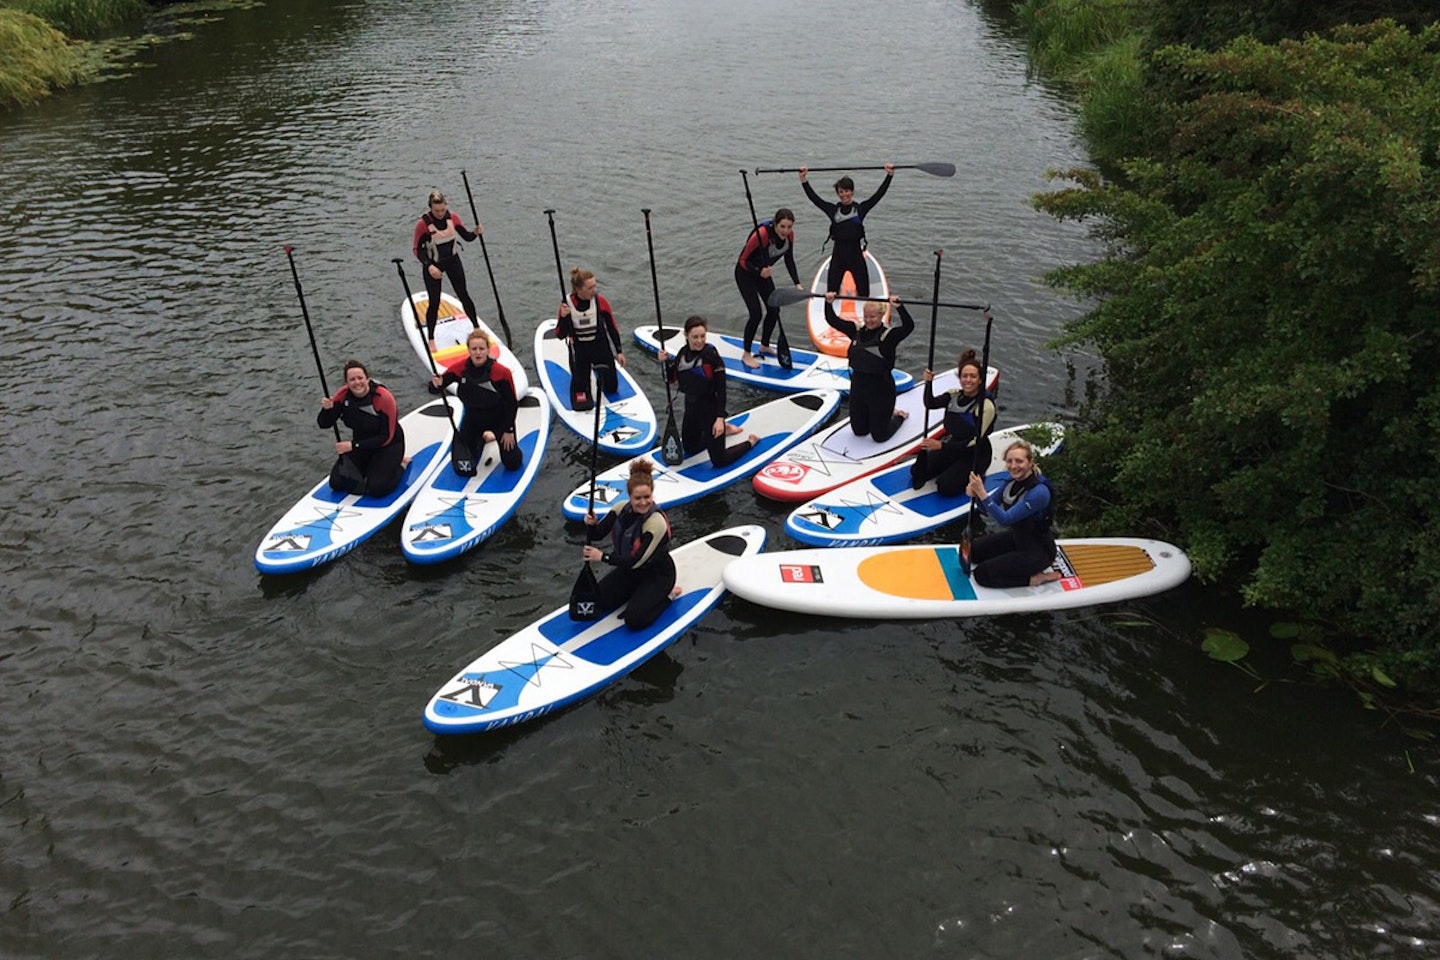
585, 596
937, 169
785, 296
964, 554
463, 458
671, 450
782, 350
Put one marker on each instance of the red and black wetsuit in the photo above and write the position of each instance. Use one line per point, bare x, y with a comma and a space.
872, 384
488, 393
644, 573
591, 331
847, 229
434, 244
701, 378
373, 468
763, 248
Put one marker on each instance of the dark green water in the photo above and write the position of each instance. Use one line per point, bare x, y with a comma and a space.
197, 762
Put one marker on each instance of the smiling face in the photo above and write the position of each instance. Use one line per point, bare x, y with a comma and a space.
695, 337
846, 196
970, 380
1018, 461
358, 381
874, 315
642, 498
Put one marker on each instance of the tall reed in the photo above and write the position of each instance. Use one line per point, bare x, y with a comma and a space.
34, 59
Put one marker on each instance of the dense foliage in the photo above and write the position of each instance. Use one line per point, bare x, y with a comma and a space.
1268, 316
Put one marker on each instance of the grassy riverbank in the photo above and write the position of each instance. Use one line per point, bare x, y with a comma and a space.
43, 43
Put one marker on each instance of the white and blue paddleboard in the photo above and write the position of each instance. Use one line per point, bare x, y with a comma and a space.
452, 514
780, 424
556, 661
809, 370
326, 524
929, 582
883, 508
451, 329
836, 456
627, 421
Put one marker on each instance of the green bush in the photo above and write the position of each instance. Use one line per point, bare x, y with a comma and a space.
34, 58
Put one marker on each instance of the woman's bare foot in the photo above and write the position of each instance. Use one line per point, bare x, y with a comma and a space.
767, 350
404, 463
903, 414
754, 439
1044, 576
675, 593
749, 360
731, 429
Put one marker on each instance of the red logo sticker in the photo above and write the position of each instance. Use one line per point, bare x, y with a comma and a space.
784, 472
800, 573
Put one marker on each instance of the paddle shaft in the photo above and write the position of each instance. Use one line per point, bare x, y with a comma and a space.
930, 355
305, 312
783, 297
415, 314
660, 322
934, 169
975, 465
499, 309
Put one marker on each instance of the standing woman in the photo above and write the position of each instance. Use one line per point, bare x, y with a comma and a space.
699, 372
767, 244
1021, 554
644, 574
587, 322
847, 228
436, 233
872, 361
487, 389
370, 463
969, 418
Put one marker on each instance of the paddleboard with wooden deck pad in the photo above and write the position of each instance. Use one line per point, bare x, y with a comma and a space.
451, 329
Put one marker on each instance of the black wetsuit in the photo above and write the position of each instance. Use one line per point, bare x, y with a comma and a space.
488, 394
872, 384
644, 574
847, 229
374, 467
763, 248
701, 378
1010, 557
591, 337
435, 245
965, 446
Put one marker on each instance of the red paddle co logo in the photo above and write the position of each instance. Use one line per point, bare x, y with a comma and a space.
785, 472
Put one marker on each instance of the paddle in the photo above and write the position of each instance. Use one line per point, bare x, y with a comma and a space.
922, 458
671, 450
934, 169
499, 310
462, 458
782, 342
975, 465
577, 397
585, 595
319, 367
784, 297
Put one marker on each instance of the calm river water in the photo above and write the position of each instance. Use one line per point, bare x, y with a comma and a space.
199, 762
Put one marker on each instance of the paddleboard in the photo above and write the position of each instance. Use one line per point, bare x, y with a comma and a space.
451, 329
452, 514
556, 661
825, 337
627, 421
325, 524
882, 508
926, 582
809, 370
780, 424
835, 456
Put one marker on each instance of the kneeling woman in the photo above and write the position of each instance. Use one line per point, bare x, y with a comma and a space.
700, 374
872, 363
372, 461
1021, 554
969, 418
487, 389
644, 574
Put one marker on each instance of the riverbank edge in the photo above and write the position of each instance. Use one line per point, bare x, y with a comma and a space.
46, 47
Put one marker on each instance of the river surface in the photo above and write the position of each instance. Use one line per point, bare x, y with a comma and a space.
196, 761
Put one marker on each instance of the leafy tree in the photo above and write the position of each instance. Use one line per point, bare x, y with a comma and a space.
1267, 315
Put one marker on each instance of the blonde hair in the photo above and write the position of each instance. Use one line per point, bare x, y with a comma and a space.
436, 196
477, 334
578, 276
1027, 447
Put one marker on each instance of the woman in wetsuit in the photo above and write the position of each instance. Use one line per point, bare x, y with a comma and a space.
769, 243
969, 418
371, 462
1021, 554
487, 389
872, 363
588, 324
644, 574
436, 247
700, 374
847, 228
